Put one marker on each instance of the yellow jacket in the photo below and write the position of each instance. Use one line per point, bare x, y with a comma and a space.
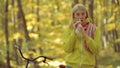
76, 54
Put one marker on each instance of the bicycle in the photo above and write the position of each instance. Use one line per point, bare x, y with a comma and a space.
28, 60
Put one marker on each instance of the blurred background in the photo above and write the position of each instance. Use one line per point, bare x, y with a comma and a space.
37, 26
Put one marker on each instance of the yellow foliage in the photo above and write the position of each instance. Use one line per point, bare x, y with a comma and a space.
10, 7
33, 54
16, 35
34, 35
55, 6
38, 45
116, 9
15, 9
31, 23
33, 4
46, 20
50, 5
52, 33
57, 40
25, 55
45, 7
118, 26
109, 27
29, 5
111, 19
117, 41
110, 66
49, 14
60, 16
30, 16
63, 3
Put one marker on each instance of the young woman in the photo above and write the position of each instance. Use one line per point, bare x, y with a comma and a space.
82, 42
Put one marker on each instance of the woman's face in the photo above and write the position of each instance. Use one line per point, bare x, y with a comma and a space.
80, 15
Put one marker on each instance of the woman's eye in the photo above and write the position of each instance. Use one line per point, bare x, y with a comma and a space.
77, 14
83, 14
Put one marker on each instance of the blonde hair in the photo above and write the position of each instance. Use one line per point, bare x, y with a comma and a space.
74, 9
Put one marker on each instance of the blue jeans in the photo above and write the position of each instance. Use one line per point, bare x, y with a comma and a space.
67, 67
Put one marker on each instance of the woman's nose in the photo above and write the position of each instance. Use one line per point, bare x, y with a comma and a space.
80, 16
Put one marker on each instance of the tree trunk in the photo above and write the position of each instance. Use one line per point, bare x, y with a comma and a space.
23, 20
91, 7
13, 16
84, 2
38, 15
7, 34
75, 2
115, 37
115, 32
58, 6
14, 30
15, 52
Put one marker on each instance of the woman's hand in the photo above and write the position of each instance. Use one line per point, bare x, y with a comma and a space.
76, 24
79, 29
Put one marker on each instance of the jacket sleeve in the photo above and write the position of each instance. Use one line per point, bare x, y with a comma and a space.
94, 44
69, 41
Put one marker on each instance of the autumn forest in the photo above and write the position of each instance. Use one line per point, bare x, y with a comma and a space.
32, 32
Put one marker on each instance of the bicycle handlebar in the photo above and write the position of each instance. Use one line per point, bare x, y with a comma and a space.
32, 60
